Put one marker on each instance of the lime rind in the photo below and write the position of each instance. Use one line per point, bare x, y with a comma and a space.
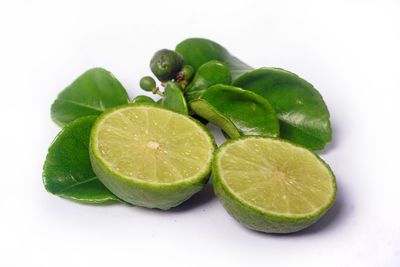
288, 214
119, 108
148, 194
259, 219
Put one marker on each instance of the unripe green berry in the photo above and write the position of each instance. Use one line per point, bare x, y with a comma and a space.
165, 64
147, 83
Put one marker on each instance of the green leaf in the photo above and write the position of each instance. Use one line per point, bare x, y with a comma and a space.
90, 94
303, 115
237, 111
143, 99
174, 99
197, 51
67, 171
210, 73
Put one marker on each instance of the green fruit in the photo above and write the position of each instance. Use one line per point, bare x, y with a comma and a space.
236, 111
147, 83
165, 64
150, 156
272, 185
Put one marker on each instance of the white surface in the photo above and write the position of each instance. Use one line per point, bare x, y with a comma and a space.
348, 49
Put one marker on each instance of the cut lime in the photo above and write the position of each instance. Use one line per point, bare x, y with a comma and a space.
271, 185
151, 156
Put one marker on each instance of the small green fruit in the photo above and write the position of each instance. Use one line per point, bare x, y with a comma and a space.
165, 64
147, 83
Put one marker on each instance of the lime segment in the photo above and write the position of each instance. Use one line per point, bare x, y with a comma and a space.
272, 185
141, 151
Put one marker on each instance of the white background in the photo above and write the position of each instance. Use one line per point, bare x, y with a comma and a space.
349, 50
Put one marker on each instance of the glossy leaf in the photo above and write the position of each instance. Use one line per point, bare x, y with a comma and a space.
67, 171
303, 115
174, 99
90, 94
237, 111
197, 51
142, 99
210, 73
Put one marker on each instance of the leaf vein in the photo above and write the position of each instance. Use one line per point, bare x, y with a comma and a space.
76, 184
82, 105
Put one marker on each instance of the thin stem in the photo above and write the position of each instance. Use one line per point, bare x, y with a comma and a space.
160, 93
157, 91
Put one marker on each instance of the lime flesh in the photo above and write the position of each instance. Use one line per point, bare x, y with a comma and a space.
150, 156
271, 185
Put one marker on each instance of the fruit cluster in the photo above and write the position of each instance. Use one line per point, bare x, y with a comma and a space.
266, 175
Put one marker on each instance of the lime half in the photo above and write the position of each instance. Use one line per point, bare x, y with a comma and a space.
272, 185
151, 156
